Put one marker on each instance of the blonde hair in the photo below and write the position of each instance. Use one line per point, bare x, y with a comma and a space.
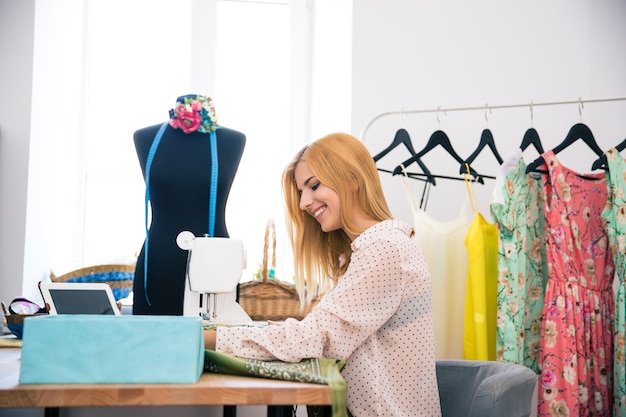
342, 163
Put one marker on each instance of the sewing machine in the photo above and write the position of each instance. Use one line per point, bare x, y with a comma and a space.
214, 268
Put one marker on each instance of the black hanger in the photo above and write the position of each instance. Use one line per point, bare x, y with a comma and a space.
531, 137
402, 138
486, 139
601, 162
578, 131
422, 176
439, 137
426, 176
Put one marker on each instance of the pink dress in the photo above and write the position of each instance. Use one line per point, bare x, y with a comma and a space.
576, 352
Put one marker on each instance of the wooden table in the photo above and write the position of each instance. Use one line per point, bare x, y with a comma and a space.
211, 389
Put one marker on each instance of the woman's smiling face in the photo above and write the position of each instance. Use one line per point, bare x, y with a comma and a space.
318, 200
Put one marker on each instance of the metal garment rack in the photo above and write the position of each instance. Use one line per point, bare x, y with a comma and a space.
488, 107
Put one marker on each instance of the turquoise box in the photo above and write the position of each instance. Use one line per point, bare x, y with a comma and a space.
102, 349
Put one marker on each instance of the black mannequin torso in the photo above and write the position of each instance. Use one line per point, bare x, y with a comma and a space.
179, 199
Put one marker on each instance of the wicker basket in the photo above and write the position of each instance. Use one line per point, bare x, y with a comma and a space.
119, 277
271, 299
15, 322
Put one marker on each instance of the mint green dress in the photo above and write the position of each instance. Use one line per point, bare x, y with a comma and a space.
614, 215
517, 210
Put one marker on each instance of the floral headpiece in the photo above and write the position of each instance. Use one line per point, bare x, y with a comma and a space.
194, 114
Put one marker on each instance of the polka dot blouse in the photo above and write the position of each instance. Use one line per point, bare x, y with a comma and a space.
378, 318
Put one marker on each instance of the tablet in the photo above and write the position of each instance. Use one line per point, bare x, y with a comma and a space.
79, 298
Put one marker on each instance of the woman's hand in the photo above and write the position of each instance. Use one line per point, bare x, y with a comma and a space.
210, 337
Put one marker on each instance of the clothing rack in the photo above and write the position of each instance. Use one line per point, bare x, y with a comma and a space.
488, 107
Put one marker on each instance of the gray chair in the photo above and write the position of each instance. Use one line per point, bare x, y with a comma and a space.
485, 389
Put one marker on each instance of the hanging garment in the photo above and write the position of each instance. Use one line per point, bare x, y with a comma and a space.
479, 325
517, 209
614, 215
576, 351
441, 243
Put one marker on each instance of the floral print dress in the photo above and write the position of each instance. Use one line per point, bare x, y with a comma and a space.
577, 330
614, 215
517, 210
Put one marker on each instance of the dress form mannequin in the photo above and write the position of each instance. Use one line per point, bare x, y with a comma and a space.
179, 199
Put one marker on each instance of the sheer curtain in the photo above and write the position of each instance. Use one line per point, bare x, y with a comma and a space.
137, 63
133, 76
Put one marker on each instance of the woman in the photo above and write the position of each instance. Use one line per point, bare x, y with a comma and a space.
378, 314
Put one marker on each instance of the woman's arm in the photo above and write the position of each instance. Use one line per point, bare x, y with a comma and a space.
209, 339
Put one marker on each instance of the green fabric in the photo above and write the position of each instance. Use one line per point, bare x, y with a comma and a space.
614, 215
315, 371
522, 267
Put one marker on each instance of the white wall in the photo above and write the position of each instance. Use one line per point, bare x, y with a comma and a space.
425, 54
16, 62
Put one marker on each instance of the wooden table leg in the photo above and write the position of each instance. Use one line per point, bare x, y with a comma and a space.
51, 412
279, 411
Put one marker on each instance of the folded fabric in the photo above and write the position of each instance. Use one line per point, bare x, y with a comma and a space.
106, 349
315, 371
10, 342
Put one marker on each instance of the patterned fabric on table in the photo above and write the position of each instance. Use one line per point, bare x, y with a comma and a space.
522, 270
576, 352
615, 216
314, 371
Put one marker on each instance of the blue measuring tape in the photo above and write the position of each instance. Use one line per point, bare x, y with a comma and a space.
212, 194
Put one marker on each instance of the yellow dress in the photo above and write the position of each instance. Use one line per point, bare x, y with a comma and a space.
481, 298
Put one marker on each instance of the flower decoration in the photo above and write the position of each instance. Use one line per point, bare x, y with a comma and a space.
194, 114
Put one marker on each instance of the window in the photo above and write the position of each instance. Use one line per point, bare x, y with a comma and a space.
132, 79
252, 96
137, 63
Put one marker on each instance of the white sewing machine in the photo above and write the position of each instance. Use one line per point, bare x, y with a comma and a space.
214, 268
